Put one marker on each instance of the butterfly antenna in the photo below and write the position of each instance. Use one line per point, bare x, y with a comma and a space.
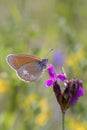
51, 50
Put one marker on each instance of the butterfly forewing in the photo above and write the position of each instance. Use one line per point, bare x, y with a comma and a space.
30, 72
17, 60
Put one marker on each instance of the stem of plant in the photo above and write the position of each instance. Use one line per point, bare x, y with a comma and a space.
63, 120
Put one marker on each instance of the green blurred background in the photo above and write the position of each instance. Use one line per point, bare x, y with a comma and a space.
35, 27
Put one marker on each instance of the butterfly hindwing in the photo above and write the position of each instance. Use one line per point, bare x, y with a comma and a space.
30, 72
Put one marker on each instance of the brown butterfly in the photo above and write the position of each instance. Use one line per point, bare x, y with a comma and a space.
29, 68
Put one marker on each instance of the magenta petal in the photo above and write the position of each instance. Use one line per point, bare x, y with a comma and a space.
48, 83
62, 77
80, 92
52, 72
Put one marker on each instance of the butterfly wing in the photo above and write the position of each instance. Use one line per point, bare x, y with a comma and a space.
30, 72
18, 60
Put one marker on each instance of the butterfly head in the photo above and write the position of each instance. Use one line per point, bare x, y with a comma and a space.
44, 63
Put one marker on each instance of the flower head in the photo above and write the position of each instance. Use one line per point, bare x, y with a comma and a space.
53, 76
73, 89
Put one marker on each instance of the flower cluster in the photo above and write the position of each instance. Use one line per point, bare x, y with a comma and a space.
73, 89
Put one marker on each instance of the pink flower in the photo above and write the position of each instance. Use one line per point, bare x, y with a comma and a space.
73, 89
53, 76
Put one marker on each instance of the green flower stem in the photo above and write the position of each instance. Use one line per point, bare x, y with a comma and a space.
63, 120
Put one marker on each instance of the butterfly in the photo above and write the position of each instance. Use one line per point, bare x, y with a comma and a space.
29, 68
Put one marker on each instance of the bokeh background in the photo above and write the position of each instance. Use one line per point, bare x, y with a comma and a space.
34, 27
